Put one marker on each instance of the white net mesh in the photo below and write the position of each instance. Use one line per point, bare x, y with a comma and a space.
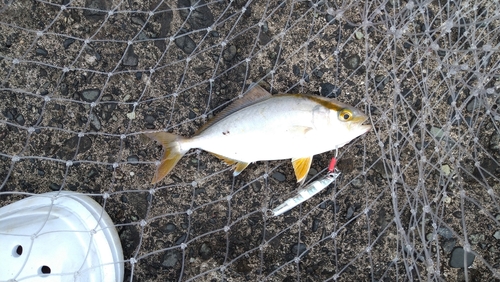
81, 80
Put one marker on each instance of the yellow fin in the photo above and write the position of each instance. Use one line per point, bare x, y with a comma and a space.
240, 166
301, 167
254, 95
226, 160
172, 153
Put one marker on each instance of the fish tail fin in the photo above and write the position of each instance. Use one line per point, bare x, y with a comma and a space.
172, 152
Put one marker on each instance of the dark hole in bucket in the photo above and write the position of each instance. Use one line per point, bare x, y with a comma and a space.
45, 269
19, 250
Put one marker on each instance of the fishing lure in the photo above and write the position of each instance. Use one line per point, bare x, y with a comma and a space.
310, 190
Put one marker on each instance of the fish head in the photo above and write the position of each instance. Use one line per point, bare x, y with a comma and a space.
347, 123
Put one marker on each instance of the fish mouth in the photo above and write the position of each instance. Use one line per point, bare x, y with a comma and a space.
357, 123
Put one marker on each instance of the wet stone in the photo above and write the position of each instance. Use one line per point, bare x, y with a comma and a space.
205, 251
296, 70
315, 225
229, 53
350, 212
352, 62
54, 187
90, 95
171, 258
298, 249
495, 142
474, 105
278, 176
445, 232
41, 52
200, 17
68, 149
95, 123
20, 119
149, 119
67, 42
96, 9
138, 75
457, 258
130, 59
133, 159
169, 228
186, 44
497, 235
448, 245
329, 90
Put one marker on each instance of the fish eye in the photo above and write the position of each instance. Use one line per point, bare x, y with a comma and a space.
345, 115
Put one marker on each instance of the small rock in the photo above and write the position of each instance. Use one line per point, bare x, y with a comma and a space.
495, 142
67, 42
445, 232
296, 70
41, 52
497, 235
186, 44
130, 59
229, 53
298, 249
457, 258
352, 62
200, 17
96, 9
278, 176
205, 251
169, 228
90, 95
171, 258
315, 224
448, 245
54, 187
350, 212
149, 119
95, 123
329, 90
20, 119
474, 105
133, 159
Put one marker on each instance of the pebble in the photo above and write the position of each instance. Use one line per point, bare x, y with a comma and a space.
130, 59
495, 142
171, 258
352, 62
298, 249
200, 17
133, 159
67, 150
20, 119
448, 245
54, 187
90, 95
329, 90
278, 176
445, 232
296, 70
41, 52
229, 53
205, 251
181, 239
149, 119
95, 123
64, 89
474, 105
169, 228
95, 9
67, 42
315, 225
350, 212
457, 258
497, 235
186, 44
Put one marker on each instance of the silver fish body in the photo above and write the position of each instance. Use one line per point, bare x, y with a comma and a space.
269, 127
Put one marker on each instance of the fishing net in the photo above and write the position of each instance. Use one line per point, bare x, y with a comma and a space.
418, 197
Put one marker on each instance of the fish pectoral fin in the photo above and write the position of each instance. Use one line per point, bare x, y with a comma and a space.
240, 166
226, 160
301, 167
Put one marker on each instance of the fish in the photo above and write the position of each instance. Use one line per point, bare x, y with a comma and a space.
264, 127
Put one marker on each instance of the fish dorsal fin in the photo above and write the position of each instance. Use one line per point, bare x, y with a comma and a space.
256, 94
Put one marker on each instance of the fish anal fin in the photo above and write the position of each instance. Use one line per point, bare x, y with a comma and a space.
226, 160
254, 95
301, 167
240, 166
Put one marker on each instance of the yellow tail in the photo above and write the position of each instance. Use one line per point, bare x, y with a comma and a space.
172, 154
